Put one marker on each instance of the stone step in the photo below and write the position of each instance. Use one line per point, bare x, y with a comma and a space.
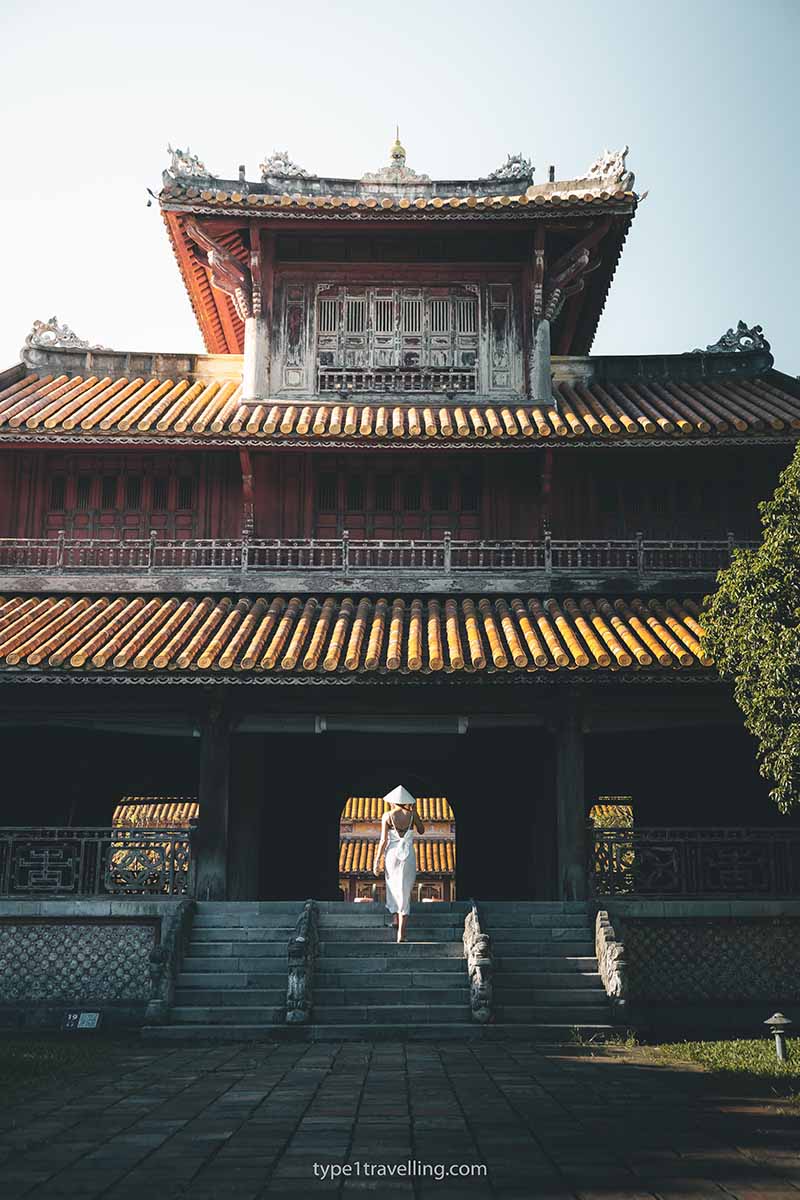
375, 963
361, 996
532, 933
539, 996
389, 979
408, 1014
243, 997
490, 907
561, 965
233, 979
197, 1014
378, 933
525, 920
572, 981
236, 949
234, 920
241, 933
535, 1014
390, 949
285, 907
364, 913
434, 1031
271, 964
521, 954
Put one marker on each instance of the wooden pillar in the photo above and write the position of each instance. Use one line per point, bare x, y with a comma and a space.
255, 369
571, 803
247, 792
211, 839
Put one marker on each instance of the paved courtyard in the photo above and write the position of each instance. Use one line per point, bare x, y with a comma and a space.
259, 1120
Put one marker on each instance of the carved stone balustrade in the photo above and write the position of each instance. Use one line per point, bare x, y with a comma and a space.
610, 960
303, 952
480, 966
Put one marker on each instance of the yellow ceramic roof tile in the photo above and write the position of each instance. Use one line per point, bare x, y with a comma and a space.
352, 635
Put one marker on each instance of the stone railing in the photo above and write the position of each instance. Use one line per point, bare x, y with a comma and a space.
678, 861
610, 960
78, 861
638, 555
480, 965
303, 951
165, 961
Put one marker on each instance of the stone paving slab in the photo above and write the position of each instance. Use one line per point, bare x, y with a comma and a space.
258, 1122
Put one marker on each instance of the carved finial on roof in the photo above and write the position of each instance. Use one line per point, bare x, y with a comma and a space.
396, 173
280, 166
611, 166
398, 153
740, 339
184, 164
516, 166
50, 335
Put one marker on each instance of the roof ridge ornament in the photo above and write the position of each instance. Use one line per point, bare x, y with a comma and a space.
610, 165
396, 173
280, 166
516, 166
740, 340
185, 165
52, 335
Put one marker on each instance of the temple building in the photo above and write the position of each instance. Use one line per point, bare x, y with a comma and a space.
398, 524
435, 850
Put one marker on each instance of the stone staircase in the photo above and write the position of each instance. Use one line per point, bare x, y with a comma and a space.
368, 986
546, 980
232, 982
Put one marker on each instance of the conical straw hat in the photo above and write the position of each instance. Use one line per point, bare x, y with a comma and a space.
399, 795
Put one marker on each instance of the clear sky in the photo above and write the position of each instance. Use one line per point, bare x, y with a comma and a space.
705, 92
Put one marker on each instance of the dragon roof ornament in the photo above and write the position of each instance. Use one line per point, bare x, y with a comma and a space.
184, 165
611, 165
51, 335
280, 166
516, 166
741, 340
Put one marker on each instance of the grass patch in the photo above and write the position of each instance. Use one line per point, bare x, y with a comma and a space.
26, 1060
753, 1058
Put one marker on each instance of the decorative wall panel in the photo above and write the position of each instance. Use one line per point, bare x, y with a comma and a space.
724, 960
80, 963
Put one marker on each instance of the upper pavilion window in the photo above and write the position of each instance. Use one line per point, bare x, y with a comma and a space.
403, 339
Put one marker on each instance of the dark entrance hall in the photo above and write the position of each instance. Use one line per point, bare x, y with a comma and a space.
505, 831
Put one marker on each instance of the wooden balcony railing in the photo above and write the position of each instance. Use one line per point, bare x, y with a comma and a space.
687, 861
76, 861
346, 555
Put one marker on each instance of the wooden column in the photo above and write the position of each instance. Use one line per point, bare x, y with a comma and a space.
211, 839
257, 326
570, 802
248, 790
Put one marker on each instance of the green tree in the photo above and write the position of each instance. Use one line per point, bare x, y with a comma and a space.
752, 626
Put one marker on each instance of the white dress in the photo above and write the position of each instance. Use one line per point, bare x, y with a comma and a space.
401, 869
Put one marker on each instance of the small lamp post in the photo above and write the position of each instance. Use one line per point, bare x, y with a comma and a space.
778, 1024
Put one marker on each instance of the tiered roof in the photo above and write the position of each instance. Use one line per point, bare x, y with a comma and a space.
81, 397
350, 638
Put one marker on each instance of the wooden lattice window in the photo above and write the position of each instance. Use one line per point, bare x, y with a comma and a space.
388, 500
119, 497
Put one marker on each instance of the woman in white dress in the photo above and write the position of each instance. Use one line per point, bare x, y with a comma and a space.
397, 839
